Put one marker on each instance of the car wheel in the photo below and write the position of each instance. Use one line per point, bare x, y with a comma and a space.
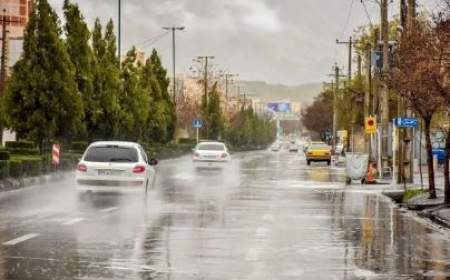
348, 181
308, 162
328, 162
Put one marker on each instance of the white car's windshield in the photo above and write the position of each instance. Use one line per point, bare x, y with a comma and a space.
111, 154
211, 147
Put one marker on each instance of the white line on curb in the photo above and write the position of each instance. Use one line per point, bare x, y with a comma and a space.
20, 239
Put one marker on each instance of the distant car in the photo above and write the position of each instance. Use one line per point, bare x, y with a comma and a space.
210, 154
275, 147
293, 147
306, 146
113, 166
318, 152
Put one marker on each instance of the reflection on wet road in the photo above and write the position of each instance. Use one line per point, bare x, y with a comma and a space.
266, 216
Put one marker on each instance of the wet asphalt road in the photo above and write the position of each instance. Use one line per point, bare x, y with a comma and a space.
266, 216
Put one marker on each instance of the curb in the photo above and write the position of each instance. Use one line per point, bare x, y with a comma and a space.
10, 184
423, 212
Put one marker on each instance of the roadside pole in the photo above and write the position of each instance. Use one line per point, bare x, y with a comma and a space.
197, 124
56, 153
197, 129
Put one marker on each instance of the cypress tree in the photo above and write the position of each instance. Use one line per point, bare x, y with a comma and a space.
80, 52
134, 100
42, 102
107, 85
166, 102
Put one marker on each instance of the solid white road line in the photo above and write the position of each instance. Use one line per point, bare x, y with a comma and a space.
20, 239
106, 210
73, 221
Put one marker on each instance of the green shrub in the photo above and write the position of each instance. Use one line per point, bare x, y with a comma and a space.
189, 141
79, 146
4, 155
32, 166
23, 151
410, 193
16, 168
22, 144
4, 169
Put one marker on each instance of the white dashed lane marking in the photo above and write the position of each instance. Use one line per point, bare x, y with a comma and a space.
73, 221
20, 239
111, 209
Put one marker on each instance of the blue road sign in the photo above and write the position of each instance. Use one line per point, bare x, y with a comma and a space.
377, 60
197, 123
406, 122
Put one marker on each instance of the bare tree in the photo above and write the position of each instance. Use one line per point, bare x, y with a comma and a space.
416, 76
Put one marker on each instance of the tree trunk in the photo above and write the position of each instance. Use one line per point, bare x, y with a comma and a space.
446, 170
431, 186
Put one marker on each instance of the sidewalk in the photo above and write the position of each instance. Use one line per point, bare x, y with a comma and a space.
429, 208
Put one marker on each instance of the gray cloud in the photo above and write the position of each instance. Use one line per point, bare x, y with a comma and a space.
280, 41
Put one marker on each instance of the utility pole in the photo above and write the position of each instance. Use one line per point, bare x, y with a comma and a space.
350, 43
173, 29
119, 31
384, 89
337, 76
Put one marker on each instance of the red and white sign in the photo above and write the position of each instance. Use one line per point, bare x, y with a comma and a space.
55, 153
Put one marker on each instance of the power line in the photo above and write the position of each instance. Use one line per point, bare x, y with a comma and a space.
152, 40
349, 14
367, 13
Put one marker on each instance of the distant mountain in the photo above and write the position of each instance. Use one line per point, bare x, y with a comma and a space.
304, 93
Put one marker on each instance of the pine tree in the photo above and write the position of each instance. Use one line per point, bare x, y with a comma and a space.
134, 100
156, 117
107, 85
80, 52
166, 101
42, 102
214, 117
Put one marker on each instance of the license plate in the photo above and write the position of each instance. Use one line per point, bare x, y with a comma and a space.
107, 172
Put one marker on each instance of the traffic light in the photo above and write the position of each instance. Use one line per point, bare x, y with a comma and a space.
371, 124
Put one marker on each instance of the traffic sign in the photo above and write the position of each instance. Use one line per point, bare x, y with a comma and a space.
197, 123
403, 122
370, 124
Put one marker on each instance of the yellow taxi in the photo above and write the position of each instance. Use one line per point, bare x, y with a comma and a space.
318, 151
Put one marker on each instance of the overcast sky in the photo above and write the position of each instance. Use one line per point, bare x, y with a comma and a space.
277, 41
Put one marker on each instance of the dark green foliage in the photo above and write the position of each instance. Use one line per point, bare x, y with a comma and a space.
190, 141
134, 100
81, 55
23, 151
105, 111
42, 88
212, 115
16, 169
79, 146
4, 169
165, 114
20, 144
4, 155
248, 131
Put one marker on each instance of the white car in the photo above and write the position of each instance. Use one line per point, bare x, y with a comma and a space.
112, 166
210, 154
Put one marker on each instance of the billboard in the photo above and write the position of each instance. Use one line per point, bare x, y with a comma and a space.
279, 107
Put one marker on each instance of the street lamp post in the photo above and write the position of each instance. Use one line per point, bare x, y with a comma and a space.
173, 29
